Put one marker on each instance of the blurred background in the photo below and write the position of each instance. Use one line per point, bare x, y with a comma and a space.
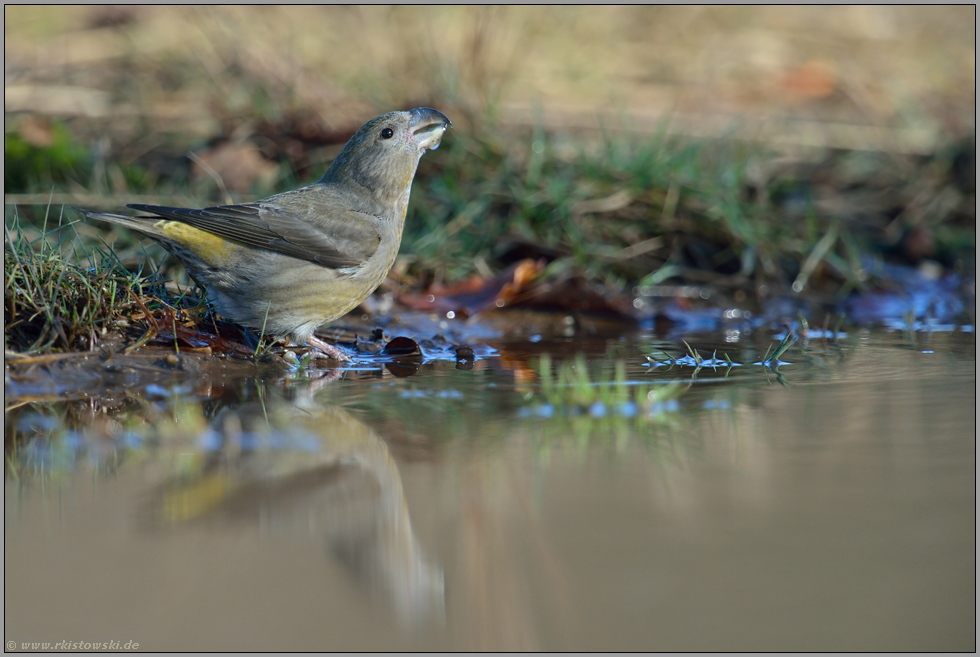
318, 72
110, 105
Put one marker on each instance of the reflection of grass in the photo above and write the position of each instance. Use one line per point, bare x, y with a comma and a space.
573, 386
582, 411
572, 391
43, 440
43, 443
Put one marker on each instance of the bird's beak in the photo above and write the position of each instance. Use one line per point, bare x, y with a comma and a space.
428, 126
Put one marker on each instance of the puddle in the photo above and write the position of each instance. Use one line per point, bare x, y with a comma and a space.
680, 503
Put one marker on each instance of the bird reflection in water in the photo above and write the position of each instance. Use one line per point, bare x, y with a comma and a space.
305, 467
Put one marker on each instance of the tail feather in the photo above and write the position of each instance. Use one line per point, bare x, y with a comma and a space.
143, 225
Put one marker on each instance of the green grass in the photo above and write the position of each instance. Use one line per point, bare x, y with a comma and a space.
55, 303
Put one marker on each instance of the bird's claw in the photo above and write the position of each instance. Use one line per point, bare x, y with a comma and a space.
321, 348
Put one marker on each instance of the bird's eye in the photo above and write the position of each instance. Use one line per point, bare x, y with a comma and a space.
387, 133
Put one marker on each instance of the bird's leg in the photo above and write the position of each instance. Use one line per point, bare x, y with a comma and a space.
327, 349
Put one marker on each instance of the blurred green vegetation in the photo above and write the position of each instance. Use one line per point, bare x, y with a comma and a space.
30, 166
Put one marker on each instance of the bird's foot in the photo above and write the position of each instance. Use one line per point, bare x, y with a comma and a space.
327, 349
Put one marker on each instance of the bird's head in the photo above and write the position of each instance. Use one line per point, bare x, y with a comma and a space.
383, 155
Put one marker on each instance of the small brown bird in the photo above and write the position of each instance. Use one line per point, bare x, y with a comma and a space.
299, 259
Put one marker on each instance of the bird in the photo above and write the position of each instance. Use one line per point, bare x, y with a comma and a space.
294, 261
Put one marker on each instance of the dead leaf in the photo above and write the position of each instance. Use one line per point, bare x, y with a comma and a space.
574, 294
170, 331
477, 294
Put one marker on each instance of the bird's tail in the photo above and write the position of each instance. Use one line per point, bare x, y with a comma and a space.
145, 225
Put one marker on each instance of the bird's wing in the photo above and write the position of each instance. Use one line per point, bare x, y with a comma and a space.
343, 238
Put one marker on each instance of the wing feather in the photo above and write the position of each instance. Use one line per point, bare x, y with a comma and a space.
338, 239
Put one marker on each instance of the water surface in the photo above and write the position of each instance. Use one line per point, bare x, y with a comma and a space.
827, 505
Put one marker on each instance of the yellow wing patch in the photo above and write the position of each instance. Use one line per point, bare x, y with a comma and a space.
212, 249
